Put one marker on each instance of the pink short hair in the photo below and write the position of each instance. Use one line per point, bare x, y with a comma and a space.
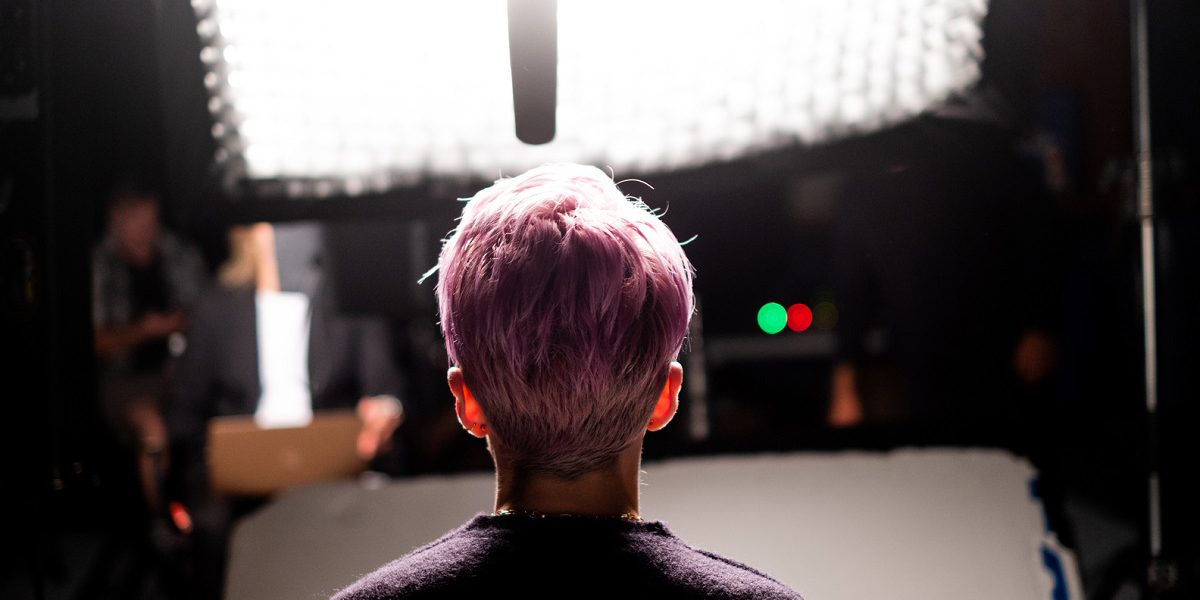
564, 303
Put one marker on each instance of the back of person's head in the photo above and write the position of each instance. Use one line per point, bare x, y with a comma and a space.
564, 303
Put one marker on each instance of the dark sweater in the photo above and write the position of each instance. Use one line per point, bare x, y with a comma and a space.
563, 557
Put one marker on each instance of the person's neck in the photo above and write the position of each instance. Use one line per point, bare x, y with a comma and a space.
610, 491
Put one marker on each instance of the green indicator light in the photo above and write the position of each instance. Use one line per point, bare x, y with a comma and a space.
772, 317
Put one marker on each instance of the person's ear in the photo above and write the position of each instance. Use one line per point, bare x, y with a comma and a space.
668, 400
470, 415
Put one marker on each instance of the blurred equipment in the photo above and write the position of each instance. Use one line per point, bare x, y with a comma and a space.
18, 81
533, 55
61, 495
374, 265
247, 460
1162, 571
414, 92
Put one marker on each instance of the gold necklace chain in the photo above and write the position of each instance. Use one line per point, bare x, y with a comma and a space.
533, 514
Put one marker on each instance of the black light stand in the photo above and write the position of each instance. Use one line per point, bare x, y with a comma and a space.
1161, 573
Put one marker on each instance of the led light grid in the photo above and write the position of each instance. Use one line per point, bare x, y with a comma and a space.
365, 95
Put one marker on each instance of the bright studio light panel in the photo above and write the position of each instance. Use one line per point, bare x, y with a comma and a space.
325, 98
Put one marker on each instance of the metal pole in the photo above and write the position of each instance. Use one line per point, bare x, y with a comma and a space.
696, 378
1160, 575
1145, 196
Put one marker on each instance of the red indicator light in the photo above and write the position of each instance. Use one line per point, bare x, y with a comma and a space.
181, 518
799, 317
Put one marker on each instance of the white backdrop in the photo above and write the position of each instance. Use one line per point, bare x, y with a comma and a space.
925, 524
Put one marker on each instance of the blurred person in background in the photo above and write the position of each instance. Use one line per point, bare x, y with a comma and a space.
267, 342
564, 305
145, 281
945, 244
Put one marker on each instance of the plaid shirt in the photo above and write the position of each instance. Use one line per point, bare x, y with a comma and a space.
183, 274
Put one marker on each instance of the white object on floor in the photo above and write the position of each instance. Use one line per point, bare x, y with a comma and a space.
282, 328
924, 524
